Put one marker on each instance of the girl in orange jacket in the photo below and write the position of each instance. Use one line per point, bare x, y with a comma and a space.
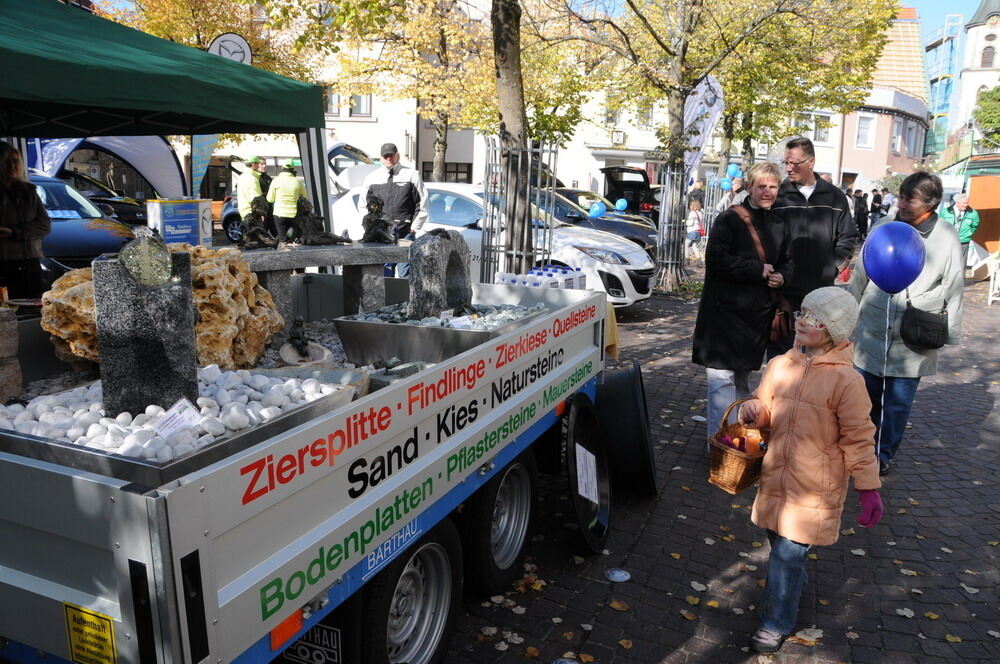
818, 411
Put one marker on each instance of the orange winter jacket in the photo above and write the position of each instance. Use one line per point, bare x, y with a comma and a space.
821, 433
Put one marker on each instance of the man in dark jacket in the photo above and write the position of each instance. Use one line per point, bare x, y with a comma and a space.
823, 233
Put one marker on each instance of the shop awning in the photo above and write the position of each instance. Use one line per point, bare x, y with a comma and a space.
68, 73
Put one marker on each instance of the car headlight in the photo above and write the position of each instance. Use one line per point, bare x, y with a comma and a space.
603, 255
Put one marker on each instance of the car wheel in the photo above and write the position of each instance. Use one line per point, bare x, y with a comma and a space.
234, 228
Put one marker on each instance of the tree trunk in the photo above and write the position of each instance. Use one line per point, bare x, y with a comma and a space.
728, 129
505, 17
673, 205
440, 124
748, 156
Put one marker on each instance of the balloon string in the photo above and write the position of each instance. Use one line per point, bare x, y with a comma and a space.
885, 365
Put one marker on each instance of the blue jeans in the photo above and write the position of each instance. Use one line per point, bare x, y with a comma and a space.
890, 421
786, 577
724, 387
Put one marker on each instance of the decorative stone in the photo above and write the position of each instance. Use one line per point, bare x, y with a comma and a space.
439, 274
10, 378
8, 334
146, 337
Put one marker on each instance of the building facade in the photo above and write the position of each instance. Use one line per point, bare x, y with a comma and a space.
981, 64
943, 60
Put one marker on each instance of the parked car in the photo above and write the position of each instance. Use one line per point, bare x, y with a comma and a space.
632, 184
80, 232
125, 209
585, 198
232, 223
612, 264
643, 233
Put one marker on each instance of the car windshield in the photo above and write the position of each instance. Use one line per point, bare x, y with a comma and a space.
64, 202
587, 198
539, 214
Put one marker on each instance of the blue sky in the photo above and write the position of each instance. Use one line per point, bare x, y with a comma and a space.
932, 12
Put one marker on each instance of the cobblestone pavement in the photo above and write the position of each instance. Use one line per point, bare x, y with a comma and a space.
922, 586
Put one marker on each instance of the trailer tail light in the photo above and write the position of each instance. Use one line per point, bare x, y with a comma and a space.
286, 629
645, 207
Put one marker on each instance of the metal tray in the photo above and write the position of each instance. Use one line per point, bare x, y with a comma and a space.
147, 474
370, 342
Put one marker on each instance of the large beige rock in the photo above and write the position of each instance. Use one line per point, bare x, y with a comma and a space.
236, 316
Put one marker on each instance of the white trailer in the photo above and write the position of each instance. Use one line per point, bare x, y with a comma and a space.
243, 553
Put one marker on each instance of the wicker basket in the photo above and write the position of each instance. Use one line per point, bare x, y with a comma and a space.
728, 468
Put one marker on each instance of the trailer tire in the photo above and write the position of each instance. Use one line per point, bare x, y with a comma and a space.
498, 519
621, 407
409, 606
581, 429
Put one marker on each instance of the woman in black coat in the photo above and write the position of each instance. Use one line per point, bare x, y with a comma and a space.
734, 317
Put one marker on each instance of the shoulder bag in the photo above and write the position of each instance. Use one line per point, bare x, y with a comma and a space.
781, 323
924, 329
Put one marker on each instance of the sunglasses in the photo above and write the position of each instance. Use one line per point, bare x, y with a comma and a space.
808, 318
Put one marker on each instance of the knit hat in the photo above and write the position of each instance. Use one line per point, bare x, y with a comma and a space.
836, 309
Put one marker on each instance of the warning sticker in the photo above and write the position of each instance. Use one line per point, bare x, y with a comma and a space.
91, 636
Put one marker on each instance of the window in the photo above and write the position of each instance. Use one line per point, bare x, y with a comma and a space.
911, 139
990, 38
866, 132
897, 135
453, 172
332, 103
450, 209
815, 126
988, 54
361, 106
644, 117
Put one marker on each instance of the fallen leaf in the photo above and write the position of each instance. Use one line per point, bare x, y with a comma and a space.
852, 635
812, 556
993, 542
912, 501
488, 630
698, 586
969, 571
901, 511
760, 583
847, 531
726, 529
908, 572
919, 536
532, 652
618, 605
497, 599
858, 552
625, 643
482, 637
969, 589
556, 620
712, 603
692, 600
946, 549
516, 639
756, 544
685, 488
896, 561
906, 613
586, 627
518, 610
951, 638
675, 556
824, 602
584, 657
687, 614
502, 646
709, 541
568, 636
931, 616
738, 611
735, 506
729, 538
579, 560
992, 632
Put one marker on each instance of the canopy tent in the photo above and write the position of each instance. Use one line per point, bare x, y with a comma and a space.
151, 156
68, 73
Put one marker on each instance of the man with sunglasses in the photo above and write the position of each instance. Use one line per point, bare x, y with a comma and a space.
404, 198
822, 228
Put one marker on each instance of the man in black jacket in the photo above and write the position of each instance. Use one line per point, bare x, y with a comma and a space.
823, 231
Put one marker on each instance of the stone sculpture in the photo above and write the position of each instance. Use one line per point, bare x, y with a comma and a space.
375, 223
256, 234
307, 228
439, 275
236, 316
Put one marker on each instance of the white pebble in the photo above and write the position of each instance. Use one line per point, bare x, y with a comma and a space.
24, 416
236, 419
297, 395
181, 437
207, 402
205, 440
269, 413
153, 410
164, 454
328, 389
211, 390
96, 407
155, 443
214, 426
243, 398
209, 412
140, 437
96, 429
222, 397
259, 382
15, 409
107, 421
311, 386
73, 432
124, 418
229, 380
41, 430
5, 423
141, 419
274, 397
243, 374
210, 374
130, 450
182, 449
87, 418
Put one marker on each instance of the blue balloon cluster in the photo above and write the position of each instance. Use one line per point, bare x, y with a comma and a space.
621, 205
597, 209
726, 184
893, 256
733, 171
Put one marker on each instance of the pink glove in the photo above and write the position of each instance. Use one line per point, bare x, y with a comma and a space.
871, 508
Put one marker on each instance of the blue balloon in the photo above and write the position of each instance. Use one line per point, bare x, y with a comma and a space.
621, 205
893, 256
597, 209
739, 174
726, 184
733, 170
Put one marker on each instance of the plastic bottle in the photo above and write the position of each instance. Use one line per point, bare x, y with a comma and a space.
581, 278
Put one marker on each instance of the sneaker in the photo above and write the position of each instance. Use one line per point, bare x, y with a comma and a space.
883, 467
766, 641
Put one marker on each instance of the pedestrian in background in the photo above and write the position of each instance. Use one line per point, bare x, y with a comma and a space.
816, 407
248, 185
23, 224
823, 234
892, 375
876, 208
404, 198
695, 231
736, 309
888, 200
732, 197
965, 221
861, 213
697, 192
284, 195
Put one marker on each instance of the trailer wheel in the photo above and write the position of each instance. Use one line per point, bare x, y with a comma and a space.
582, 435
497, 519
410, 605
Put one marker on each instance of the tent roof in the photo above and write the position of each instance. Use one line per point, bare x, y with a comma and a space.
69, 73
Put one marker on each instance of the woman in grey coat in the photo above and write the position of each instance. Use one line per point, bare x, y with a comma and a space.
892, 381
